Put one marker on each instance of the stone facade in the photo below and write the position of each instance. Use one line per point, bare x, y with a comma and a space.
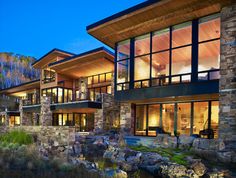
227, 99
6, 116
83, 88
58, 140
127, 118
106, 117
46, 113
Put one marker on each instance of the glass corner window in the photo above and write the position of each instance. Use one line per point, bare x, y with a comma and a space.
123, 50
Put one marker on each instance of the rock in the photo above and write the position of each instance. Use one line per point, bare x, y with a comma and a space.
176, 170
115, 173
152, 159
199, 168
185, 141
128, 167
153, 169
134, 159
191, 173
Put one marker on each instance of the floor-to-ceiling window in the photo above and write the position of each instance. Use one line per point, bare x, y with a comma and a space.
200, 118
141, 120
167, 56
209, 47
14, 120
142, 61
123, 65
84, 122
184, 119
168, 118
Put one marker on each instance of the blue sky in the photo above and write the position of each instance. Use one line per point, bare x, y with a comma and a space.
33, 27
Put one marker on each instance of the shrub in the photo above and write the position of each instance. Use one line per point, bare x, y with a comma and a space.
17, 137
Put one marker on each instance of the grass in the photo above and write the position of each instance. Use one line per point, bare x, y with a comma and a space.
17, 137
174, 154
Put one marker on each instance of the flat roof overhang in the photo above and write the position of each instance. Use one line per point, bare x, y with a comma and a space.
93, 62
21, 88
150, 16
51, 55
174, 92
79, 106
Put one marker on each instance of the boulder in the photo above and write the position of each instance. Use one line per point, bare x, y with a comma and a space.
199, 168
185, 141
115, 173
151, 158
153, 169
176, 170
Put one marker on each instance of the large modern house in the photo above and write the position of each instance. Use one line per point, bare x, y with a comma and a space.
174, 73
70, 88
174, 66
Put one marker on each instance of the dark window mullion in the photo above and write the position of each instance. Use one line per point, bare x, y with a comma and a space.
131, 70
147, 106
194, 69
170, 55
150, 78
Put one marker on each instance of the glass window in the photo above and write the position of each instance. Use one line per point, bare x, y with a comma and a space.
142, 45
92, 94
168, 118
60, 95
215, 117
123, 71
95, 79
70, 121
65, 96
181, 63
160, 68
209, 55
54, 95
70, 95
65, 121
55, 121
77, 120
153, 119
60, 119
102, 78
141, 120
200, 120
142, 68
90, 80
108, 77
183, 121
83, 122
182, 34
209, 27
123, 50
161, 40
89, 122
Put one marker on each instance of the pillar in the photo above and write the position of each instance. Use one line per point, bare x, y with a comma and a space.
45, 113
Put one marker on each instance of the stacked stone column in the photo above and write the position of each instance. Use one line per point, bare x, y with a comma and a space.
227, 99
46, 113
127, 118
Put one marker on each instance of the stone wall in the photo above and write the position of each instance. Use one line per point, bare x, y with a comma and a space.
6, 122
55, 139
109, 114
227, 99
46, 113
127, 118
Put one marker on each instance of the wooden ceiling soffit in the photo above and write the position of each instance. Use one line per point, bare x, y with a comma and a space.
155, 17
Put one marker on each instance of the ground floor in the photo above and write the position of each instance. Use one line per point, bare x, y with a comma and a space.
198, 118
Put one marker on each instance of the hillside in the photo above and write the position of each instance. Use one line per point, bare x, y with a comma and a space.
16, 69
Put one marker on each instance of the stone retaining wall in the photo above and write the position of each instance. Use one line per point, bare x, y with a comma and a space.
54, 139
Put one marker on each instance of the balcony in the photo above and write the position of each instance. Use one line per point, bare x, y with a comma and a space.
208, 75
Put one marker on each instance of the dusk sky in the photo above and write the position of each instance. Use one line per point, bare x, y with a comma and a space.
33, 27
